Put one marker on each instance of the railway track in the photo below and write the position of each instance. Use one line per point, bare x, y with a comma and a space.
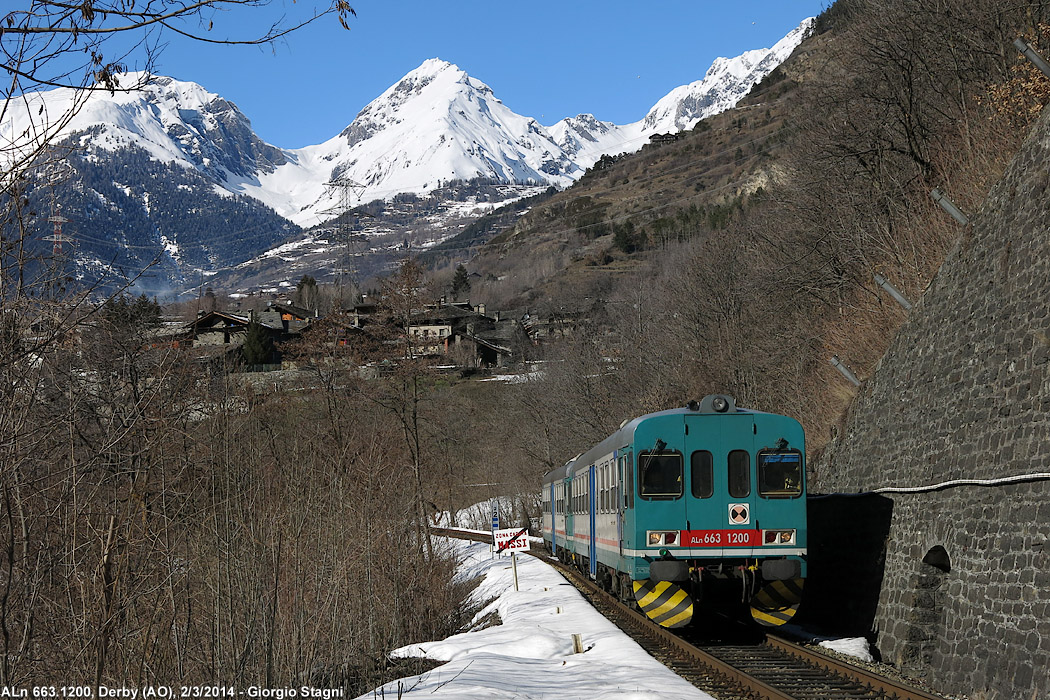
773, 669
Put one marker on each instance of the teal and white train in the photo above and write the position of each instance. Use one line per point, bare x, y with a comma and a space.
685, 501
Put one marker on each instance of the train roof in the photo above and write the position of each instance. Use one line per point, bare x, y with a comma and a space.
557, 474
625, 434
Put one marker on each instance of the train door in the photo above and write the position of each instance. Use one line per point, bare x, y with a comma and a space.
570, 513
780, 476
592, 553
554, 520
620, 500
659, 471
721, 497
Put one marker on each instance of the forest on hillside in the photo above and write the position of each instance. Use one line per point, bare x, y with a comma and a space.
742, 258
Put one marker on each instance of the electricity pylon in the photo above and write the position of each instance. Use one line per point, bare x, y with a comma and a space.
343, 188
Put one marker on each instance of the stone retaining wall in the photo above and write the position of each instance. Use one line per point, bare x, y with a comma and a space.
964, 393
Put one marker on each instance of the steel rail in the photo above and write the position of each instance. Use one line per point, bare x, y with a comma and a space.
755, 687
885, 685
820, 667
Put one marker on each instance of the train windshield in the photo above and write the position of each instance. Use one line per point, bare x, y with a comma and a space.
780, 473
660, 474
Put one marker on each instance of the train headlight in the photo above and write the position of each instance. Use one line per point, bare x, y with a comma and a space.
657, 538
778, 537
719, 404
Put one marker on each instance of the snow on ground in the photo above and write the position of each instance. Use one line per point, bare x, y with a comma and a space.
530, 655
853, 646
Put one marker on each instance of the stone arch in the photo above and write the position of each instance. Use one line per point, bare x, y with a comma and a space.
926, 617
938, 558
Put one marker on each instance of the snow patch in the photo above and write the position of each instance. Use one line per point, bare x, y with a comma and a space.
530, 654
856, 647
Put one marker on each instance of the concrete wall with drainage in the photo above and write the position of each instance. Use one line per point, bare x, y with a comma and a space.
964, 393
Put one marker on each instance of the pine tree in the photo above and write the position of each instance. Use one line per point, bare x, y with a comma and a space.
460, 283
258, 346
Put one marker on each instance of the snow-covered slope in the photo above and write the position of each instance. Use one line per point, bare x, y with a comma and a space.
436, 124
728, 80
172, 120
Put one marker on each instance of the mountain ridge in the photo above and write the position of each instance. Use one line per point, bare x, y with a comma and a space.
434, 126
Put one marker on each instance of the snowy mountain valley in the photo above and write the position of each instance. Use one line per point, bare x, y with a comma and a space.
174, 178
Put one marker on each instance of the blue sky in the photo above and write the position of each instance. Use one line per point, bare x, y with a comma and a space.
544, 59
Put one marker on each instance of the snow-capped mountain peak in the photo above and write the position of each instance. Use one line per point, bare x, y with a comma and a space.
727, 81
434, 126
172, 120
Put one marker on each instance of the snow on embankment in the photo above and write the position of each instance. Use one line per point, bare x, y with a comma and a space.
530, 654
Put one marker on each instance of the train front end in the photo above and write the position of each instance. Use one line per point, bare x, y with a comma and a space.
715, 501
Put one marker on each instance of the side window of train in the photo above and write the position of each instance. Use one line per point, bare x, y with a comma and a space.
599, 487
739, 474
604, 492
608, 487
660, 474
702, 474
779, 473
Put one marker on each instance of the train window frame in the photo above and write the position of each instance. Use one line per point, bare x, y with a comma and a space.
710, 474
781, 493
605, 489
608, 487
629, 464
599, 486
746, 491
669, 496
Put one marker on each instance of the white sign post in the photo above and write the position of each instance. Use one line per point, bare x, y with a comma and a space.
512, 541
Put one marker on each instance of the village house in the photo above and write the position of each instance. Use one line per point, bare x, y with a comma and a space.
464, 332
661, 139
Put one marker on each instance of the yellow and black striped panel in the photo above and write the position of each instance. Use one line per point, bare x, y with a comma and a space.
663, 602
777, 602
